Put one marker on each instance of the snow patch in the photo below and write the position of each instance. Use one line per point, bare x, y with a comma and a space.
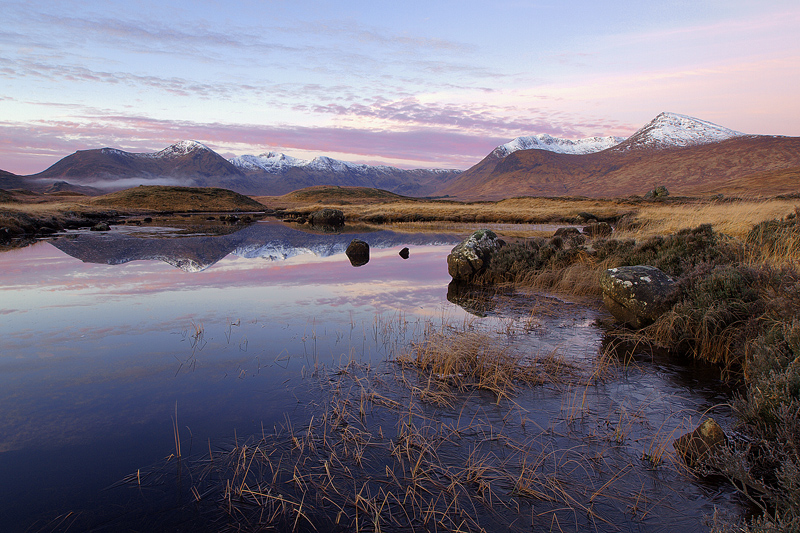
181, 148
547, 142
671, 130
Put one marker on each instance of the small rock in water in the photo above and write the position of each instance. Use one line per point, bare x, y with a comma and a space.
101, 226
358, 252
699, 446
404, 253
636, 295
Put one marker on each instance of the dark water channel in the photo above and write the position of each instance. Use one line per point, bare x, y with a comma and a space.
110, 341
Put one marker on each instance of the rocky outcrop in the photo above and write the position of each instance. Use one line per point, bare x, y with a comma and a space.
470, 258
358, 252
658, 192
327, 217
698, 448
637, 295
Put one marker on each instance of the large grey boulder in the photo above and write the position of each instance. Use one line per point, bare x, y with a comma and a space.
637, 295
327, 217
471, 257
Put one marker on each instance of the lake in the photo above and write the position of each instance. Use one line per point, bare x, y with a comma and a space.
123, 350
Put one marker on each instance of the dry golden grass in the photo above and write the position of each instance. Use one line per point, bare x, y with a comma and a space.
185, 199
734, 218
523, 210
464, 358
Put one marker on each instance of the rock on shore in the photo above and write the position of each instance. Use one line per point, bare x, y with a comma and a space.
636, 295
471, 257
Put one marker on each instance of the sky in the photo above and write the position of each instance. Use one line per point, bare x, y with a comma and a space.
413, 84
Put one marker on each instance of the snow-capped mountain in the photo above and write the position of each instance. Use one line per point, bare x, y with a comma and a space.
271, 162
181, 148
547, 142
191, 163
275, 163
685, 154
671, 130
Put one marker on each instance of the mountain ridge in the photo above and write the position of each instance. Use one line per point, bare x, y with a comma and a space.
193, 164
529, 165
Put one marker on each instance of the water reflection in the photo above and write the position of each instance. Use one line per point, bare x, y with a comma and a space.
475, 300
269, 240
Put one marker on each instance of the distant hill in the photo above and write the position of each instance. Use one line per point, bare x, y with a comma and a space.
184, 199
688, 156
11, 181
192, 164
336, 194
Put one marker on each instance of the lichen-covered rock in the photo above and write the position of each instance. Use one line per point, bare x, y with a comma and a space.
471, 257
637, 295
100, 226
698, 447
327, 217
358, 252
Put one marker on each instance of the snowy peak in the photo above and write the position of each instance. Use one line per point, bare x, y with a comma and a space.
182, 148
667, 130
670, 130
271, 162
547, 142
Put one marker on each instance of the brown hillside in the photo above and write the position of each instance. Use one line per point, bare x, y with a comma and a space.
333, 194
184, 199
757, 165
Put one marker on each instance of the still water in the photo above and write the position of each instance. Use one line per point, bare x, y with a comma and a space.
109, 341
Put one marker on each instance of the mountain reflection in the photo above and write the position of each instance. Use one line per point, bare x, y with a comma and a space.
271, 240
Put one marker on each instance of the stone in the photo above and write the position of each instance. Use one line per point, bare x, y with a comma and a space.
567, 232
571, 235
597, 229
100, 226
698, 448
358, 252
404, 253
637, 295
471, 257
658, 192
327, 217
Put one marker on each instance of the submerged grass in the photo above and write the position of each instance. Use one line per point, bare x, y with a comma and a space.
432, 440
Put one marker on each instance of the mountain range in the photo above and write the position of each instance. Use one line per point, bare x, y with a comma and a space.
190, 163
687, 155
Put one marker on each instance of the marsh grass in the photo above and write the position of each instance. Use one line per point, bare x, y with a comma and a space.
432, 440
466, 359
